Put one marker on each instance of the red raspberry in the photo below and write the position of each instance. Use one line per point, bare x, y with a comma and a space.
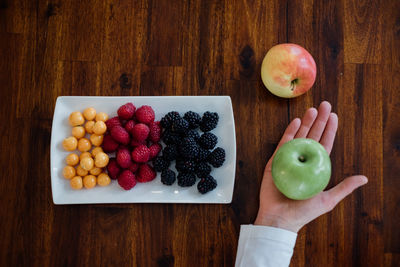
145, 173
124, 158
134, 167
154, 150
109, 145
145, 114
127, 180
113, 169
140, 132
135, 143
110, 123
120, 135
126, 111
129, 125
155, 132
141, 154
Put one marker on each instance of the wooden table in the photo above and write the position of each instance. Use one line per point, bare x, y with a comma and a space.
163, 47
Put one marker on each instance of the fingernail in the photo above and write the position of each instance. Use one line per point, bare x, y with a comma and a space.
365, 179
314, 110
325, 103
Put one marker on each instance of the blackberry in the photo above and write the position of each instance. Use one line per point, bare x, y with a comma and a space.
170, 152
209, 121
160, 164
180, 126
192, 134
167, 120
183, 165
170, 137
202, 170
208, 140
217, 157
203, 154
168, 177
186, 179
206, 184
189, 148
193, 119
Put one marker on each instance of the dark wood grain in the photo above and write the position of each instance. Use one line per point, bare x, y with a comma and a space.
391, 130
149, 47
82, 27
164, 33
363, 31
122, 48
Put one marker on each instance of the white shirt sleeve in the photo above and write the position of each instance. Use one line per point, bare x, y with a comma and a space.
264, 246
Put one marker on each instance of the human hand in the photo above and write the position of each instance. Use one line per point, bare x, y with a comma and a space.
279, 211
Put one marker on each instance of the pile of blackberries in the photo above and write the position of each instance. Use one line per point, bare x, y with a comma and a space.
192, 150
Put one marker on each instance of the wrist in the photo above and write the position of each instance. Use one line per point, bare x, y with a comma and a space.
277, 222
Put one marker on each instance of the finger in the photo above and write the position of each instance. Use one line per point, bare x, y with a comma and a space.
290, 132
319, 125
288, 135
328, 137
307, 122
334, 195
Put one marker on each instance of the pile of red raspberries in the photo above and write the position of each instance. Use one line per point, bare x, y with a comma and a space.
134, 136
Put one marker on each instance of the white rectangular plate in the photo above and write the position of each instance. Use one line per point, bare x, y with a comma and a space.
154, 191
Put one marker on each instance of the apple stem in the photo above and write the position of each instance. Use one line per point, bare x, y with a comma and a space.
293, 84
302, 159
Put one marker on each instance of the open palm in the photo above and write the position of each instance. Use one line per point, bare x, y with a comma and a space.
278, 210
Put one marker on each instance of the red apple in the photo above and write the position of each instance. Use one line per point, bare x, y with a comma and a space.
288, 70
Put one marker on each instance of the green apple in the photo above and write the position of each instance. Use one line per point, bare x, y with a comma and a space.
301, 168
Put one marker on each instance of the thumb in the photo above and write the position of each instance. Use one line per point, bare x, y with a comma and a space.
344, 188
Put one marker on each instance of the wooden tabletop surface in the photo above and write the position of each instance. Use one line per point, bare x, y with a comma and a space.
163, 47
